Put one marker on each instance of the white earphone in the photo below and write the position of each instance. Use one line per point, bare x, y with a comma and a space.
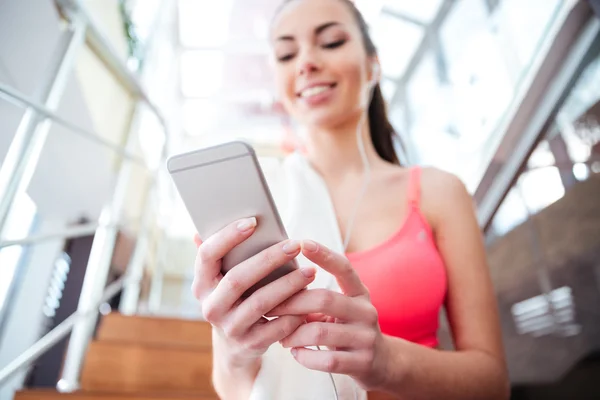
375, 76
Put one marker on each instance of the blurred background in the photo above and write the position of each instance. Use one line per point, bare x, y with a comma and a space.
95, 94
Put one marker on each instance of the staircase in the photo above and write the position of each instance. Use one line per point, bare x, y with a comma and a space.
146, 358
143, 358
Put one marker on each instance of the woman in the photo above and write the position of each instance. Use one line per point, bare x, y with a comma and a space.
415, 244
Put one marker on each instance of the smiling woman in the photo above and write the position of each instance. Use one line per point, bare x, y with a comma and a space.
411, 246
330, 36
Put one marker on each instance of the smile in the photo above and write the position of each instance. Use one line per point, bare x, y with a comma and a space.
315, 90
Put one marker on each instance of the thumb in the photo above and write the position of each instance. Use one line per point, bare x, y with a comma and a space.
197, 240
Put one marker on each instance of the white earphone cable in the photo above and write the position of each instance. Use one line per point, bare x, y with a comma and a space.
363, 191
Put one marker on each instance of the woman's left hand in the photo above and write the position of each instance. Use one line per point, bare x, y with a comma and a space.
346, 323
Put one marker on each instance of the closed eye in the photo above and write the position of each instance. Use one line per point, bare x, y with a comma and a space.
286, 57
334, 45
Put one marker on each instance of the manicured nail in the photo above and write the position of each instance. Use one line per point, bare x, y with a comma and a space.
291, 247
308, 272
310, 246
246, 224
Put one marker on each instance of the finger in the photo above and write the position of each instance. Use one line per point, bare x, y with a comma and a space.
244, 275
326, 302
262, 336
332, 335
268, 297
338, 362
208, 258
197, 240
318, 317
337, 265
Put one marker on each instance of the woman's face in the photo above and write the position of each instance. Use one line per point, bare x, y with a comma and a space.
322, 69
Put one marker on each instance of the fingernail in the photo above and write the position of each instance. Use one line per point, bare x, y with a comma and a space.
246, 224
310, 246
291, 247
294, 352
308, 272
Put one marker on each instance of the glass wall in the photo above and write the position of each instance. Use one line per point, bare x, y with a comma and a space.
544, 247
467, 62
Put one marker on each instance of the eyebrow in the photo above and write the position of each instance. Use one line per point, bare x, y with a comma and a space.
318, 30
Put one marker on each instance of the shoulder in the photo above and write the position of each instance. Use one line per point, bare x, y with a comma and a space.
442, 194
437, 181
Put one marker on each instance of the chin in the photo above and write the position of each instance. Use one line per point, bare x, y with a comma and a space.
324, 118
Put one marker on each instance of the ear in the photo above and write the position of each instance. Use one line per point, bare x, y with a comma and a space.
375, 71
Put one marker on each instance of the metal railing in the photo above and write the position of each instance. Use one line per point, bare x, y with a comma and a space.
59, 332
21, 162
578, 34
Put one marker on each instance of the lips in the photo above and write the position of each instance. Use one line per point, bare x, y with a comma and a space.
315, 90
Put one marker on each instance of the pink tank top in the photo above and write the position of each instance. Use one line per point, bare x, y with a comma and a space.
406, 276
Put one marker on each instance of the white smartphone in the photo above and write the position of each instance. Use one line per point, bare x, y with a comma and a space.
222, 184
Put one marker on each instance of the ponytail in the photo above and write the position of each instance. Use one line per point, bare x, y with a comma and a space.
382, 131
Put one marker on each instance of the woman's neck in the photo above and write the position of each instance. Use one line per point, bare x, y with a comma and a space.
335, 152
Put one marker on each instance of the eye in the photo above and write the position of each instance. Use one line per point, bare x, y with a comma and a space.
285, 57
333, 45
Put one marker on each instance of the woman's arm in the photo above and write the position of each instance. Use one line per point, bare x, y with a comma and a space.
227, 369
476, 370
418, 373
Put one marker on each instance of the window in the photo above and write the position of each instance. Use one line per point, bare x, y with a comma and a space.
18, 225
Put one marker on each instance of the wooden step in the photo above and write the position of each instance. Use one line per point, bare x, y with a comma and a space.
39, 394
132, 368
155, 331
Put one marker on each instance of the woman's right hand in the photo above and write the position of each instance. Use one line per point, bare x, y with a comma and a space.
241, 322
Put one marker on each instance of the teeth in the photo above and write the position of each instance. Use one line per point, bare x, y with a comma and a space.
313, 91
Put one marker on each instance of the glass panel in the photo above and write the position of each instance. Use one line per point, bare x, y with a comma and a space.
143, 16
204, 23
521, 24
422, 10
477, 57
201, 116
151, 136
396, 42
18, 226
370, 9
11, 115
544, 249
427, 96
201, 73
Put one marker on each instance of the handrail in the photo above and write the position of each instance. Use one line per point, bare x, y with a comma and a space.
13, 94
80, 324
100, 44
68, 233
58, 333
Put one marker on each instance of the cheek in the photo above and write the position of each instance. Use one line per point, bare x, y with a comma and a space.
284, 82
353, 77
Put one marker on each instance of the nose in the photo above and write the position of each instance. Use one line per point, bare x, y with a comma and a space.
308, 63
306, 68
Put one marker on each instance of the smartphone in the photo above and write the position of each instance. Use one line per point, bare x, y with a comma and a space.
222, 184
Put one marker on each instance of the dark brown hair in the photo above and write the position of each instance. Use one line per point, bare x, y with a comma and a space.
381, 129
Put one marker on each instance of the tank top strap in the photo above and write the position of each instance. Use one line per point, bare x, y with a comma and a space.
414, 187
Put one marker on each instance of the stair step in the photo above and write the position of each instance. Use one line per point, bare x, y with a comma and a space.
155, 330
133, 368
41, 394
